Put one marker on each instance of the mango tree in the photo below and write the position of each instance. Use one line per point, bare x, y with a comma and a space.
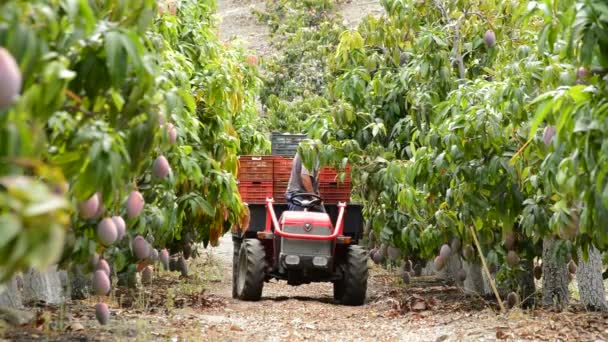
123, 135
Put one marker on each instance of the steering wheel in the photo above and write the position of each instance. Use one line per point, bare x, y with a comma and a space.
305, 203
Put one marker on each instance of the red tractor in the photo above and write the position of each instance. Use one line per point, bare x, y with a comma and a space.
300, 247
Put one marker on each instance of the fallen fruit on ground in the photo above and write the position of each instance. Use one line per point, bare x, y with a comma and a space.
512, 299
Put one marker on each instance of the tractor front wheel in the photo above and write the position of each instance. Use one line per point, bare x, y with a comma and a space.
351, 289
251, 270
236, 249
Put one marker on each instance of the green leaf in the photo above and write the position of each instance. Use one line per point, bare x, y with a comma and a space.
46, 206
116, 58
10, 226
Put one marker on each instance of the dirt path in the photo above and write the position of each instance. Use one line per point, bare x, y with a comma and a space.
308, 312
238, 21
355, 10
425, 310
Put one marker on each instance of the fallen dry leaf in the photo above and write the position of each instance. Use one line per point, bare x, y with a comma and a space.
75, 327
419, 305
235, 328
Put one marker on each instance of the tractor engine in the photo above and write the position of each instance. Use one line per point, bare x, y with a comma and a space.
300, 257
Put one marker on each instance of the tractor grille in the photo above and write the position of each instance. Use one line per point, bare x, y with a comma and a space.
306, 247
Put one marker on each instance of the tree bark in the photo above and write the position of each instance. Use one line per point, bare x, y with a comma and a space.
452, 266
474, 282
10, 296
80, 283
590, 281
527, 287
43, 287
555, 276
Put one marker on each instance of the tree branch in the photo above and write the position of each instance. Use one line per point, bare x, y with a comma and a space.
73, 109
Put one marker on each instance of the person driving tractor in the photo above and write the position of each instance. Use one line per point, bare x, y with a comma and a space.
301, 181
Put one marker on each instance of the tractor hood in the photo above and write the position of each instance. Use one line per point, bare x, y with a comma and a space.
299, 218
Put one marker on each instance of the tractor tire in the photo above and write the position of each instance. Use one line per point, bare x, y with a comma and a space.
338, 290
251, 270
351, 289
236, 247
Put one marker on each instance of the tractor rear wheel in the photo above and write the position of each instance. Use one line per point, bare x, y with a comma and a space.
351, 289
236, 248
251, 270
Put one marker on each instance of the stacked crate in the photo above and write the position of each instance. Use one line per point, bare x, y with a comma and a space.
285, 145
331, 189
282, 172
260, 177
255, 175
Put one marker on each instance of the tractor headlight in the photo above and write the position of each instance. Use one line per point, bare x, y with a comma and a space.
292, 259
319, 261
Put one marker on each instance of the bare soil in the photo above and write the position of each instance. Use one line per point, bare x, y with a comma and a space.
238, 22
200, 308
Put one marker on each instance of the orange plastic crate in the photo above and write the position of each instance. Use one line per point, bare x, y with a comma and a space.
333, 192
282, 169
255, 191
255, 168
329, 175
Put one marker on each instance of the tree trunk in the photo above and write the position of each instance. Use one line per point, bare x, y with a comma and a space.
451, 268
555, 276
80, 283
590, 281
474, 282
43, 287
527, 288
10, 295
